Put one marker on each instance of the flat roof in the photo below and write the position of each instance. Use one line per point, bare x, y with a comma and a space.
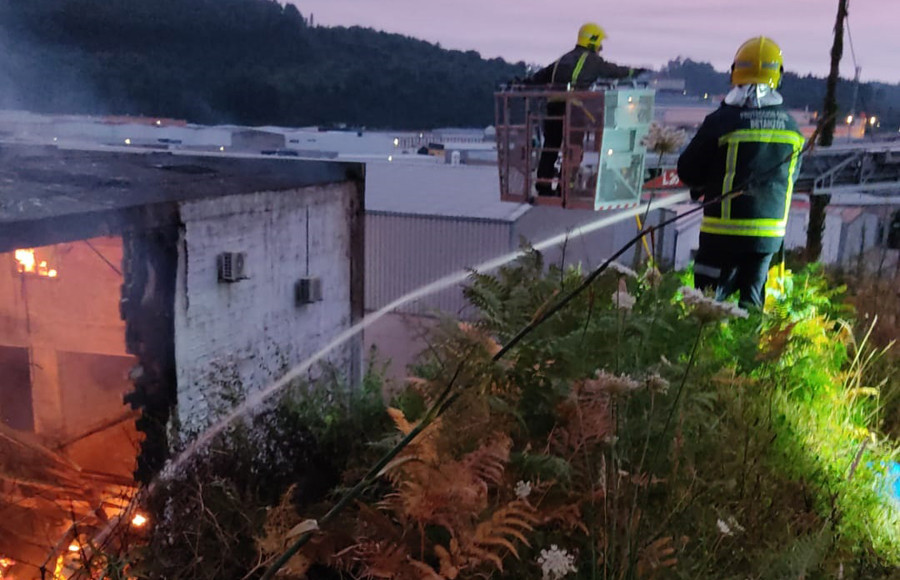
448, 191
40, 182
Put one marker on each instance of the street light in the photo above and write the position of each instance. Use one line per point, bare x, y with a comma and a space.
849, 127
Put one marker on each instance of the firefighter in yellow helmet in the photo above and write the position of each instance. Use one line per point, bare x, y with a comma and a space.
750, 144
578, 68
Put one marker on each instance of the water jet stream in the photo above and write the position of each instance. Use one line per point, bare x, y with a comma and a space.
257, 398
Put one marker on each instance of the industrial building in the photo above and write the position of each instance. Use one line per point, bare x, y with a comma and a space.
424, 222
140, 294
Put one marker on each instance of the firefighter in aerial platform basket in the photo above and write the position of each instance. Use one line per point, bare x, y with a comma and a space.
751, 144
577, 69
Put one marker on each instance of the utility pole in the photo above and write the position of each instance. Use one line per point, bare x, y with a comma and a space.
818, 203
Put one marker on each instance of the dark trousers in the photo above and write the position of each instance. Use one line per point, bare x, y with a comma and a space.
553, 134
729, 273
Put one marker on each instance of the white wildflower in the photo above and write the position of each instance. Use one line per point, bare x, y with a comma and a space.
662, 140
734, 525
729, 526
707, 309
523, 489
656, 384
615, 384
623, 270
556, 563
623, 300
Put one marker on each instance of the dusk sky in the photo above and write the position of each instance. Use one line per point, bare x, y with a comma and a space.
641, 32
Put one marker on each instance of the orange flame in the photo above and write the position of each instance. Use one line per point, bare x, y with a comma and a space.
5, 565
58, 569
25, 258
27, 263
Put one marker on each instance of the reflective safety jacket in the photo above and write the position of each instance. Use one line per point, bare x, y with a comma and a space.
754, 150
579, 67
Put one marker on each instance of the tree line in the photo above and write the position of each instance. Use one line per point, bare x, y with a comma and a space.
258, 62
251, 62
800, 92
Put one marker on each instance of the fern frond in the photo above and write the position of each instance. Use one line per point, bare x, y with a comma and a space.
449, 559
656, 558
425, 571
505, 526
424, 447
488, 462
380, 559
400, 421
486, 556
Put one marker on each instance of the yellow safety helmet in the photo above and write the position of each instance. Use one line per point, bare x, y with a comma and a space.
591, 36
758, 61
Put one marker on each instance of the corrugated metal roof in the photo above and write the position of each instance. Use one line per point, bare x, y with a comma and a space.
460, 191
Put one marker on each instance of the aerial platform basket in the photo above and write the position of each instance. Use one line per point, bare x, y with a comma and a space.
599, 161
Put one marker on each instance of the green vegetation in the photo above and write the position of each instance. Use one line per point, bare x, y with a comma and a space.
645, 431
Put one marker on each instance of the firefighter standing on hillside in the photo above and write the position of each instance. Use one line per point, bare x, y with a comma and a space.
577, 69
750, 144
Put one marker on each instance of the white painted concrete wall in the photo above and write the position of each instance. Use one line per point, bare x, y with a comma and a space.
233, 338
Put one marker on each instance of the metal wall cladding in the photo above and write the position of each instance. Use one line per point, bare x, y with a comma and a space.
405, 252
588, 250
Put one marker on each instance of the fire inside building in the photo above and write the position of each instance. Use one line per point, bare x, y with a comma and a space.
132, 285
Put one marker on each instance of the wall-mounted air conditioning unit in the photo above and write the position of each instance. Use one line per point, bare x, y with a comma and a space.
308, 290
232, 266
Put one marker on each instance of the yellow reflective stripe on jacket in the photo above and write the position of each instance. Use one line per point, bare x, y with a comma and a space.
764, 222
761, 228
763, 136
755, 227
733, 230
728, 182
578, 66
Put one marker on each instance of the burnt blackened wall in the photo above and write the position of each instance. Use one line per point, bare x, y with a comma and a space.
148, 298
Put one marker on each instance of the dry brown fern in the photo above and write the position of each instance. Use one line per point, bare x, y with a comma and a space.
584, 418
424, 447
656, 558
480, 337
278, 531
505, 526
569, 516
488, 462
434, 487
379, 559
